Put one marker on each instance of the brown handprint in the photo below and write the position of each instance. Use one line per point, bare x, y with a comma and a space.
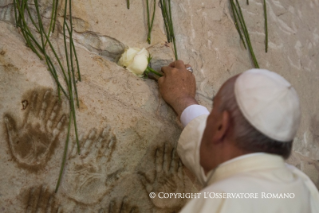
88, 177
123, 207
32, 143
41, 200
169, 177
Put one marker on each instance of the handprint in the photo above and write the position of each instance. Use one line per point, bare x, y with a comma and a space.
168, 177
88, 177
32, 143
41, 200
123, 207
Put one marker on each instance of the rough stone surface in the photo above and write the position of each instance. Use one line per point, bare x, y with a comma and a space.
127, 133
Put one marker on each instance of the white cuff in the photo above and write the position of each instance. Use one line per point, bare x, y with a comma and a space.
191, 112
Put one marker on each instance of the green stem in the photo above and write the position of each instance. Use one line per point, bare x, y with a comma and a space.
164, 14
42, 39
72, 67
64, 154
172, 30
149, 69
148, 21
236, 23
40, 25
28, 32
70, 30
52, 20
15, 12
154, 10
70, 82
266, 26
76, 60
57, 58
247, 37
128, 4
55, 14
40, 48
24, 25
52, 70
247, 2
33, 22
168, 22
20, 14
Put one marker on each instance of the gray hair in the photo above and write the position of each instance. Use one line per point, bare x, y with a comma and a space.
247, 137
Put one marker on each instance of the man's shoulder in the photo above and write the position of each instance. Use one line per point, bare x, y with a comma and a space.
237, 183
259, 182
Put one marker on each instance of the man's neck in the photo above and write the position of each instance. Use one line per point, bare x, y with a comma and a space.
227, 155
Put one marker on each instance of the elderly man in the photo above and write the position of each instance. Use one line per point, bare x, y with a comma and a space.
237, 151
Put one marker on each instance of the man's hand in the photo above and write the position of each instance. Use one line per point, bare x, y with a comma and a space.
177, 86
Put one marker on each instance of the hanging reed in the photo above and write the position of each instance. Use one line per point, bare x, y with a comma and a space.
149, 20
266, 26
241, 27
168, 23
39, 47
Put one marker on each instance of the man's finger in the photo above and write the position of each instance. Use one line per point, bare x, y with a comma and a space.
161, 81
166, 70
153, 76
172, 64
179, 64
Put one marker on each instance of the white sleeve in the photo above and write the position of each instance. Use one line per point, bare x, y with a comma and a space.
192, 112
189, 144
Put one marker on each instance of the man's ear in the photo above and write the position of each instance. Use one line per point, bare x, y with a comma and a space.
223, 127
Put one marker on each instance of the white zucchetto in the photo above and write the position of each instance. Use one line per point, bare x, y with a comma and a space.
269, 103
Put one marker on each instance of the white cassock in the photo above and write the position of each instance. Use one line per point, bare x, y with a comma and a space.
266, 179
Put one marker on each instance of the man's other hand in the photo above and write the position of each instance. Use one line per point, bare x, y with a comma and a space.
177, 86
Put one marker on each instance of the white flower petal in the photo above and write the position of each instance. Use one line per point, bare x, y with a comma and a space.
135, 60
128, 56
139, 64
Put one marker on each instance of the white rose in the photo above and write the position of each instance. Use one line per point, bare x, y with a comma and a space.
135, 60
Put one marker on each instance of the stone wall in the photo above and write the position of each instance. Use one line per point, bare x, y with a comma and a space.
127, 133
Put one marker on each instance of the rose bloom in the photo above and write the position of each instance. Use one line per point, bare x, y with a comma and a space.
135, 60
